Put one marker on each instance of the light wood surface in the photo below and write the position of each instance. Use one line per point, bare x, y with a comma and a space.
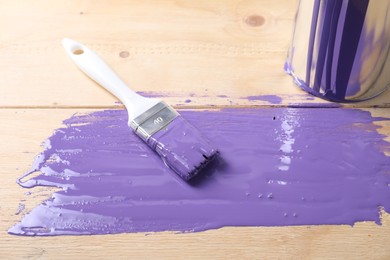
215, 53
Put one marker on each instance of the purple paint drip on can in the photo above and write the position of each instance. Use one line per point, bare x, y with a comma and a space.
340, 49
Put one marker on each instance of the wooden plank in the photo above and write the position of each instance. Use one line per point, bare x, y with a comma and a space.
25, 129
363, 241
212, 53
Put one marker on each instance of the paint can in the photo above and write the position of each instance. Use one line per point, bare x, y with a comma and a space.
340, 49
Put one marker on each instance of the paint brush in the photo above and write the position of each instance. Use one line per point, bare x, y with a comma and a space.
180, 145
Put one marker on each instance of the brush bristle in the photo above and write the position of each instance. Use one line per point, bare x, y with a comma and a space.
183, 148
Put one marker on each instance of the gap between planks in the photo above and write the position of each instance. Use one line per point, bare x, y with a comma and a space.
203, 107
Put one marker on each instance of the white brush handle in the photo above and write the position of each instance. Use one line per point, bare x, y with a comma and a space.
92, 65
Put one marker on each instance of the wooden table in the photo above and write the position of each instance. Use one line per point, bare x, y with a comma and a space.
216, 51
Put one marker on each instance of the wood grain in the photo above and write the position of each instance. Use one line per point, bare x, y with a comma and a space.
216, 53
204, 49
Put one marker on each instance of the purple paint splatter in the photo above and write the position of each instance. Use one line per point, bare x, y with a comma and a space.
21, 207
152, 94
315, 105
283, 166
269, 98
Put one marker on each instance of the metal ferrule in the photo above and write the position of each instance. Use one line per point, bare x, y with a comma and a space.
153, 120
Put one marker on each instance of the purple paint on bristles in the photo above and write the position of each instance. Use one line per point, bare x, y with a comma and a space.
283, 166
182, 148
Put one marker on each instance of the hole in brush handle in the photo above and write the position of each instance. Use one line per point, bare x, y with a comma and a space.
78, 51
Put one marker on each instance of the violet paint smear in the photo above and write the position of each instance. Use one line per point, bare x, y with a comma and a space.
273, 99
283, 166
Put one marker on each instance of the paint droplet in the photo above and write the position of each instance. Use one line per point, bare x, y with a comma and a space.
255, 20
295, 215
285, 215
247, 194
124, 54
188, 101
260, 196
270, 196
21, 207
